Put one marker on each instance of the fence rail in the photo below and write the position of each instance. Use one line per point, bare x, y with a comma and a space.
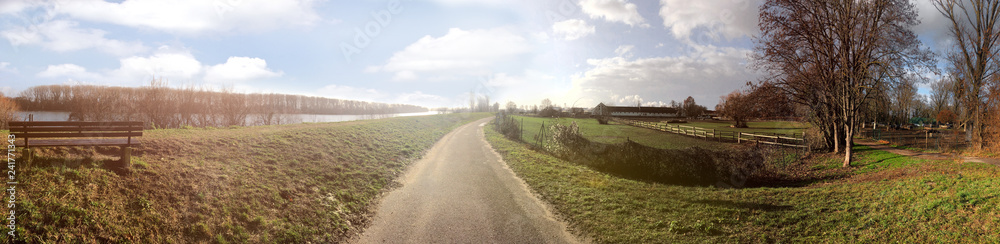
720, 135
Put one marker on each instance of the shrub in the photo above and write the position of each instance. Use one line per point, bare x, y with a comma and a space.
548, 112
814, 138
602, 120
567, 139
508, 127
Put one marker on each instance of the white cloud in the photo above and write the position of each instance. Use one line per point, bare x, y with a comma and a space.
572, 29
14, 6
64, 36
5, 68
167, 63
70, 71
624, 50
632, 100
613, 11
627, 100
480, 2
238, 69
705, 75
458, 52
195, 16
727, 18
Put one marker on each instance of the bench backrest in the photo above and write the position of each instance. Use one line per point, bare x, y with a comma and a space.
62, 129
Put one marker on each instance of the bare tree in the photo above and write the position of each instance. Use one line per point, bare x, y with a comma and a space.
904, 101
941, 94
546, 103
511, 107
975, 25
830, 54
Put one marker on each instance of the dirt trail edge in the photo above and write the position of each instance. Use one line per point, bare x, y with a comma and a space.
922, 155
462, 192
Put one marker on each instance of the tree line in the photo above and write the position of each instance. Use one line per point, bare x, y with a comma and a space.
163, 107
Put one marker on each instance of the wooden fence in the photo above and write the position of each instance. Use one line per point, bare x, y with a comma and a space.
721, 135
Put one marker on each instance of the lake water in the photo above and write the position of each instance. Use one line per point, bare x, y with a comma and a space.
311, 118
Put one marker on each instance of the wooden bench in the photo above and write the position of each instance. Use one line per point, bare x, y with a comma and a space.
69, 133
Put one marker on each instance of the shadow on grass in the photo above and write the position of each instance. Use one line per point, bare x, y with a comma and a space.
692, 166
744, 205
108, 158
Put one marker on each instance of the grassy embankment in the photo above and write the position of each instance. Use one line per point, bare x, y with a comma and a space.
286, 184
884, 198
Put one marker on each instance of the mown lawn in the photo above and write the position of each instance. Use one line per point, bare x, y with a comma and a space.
297, 183
614, 133
884, 198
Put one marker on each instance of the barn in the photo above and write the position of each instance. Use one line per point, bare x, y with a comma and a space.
637, 111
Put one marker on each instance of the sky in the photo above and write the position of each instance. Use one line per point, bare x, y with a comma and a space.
428, 53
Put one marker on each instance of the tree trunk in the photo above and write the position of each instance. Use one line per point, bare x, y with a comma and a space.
836, 140
977, 132
848, 141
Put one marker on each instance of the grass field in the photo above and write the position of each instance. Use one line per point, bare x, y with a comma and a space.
884, 198
615, 133
779, 127
286, 184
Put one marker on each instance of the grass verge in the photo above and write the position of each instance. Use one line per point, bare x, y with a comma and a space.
287, 184
884, 198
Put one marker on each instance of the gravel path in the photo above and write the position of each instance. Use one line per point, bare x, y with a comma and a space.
462, 192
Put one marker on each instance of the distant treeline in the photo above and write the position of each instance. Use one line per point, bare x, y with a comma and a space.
161, 106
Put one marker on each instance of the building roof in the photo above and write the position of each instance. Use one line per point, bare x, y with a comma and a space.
641, 109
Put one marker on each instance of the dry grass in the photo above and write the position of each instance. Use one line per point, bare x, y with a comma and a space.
287, 184
885, 197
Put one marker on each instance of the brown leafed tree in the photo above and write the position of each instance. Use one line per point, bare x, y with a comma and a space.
761, 101
945, 116
8, 111
735, 107
829, 55
691, 109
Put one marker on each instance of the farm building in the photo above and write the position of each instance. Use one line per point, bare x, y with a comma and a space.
638, 111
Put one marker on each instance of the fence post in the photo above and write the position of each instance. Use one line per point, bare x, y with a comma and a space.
739, 137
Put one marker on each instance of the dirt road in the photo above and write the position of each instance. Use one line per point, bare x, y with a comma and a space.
462, 192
